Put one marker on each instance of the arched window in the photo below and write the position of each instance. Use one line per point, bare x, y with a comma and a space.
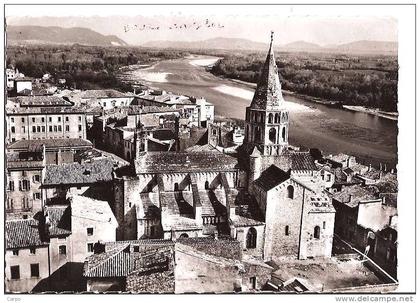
270, 118
206, 185
262, 117
290, 192
277, 118
128, 156
283, 134
317, 232
286, 230
255, 117
247, 133
176, 187
257, 135
251, 238
183, 236
272, 135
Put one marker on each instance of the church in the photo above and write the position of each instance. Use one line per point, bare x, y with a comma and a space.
268, 196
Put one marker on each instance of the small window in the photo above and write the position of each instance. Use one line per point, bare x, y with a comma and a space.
67, 128
34, 129
15, 272
324, 225
50, 128
317, 232
90, 247
286, 230
67, 119
33, 119
89, 231
43, 129
80, 118
59, 119
37, 196
43, 119
55, 128
35, 270
16, 252
62, 250
23, 120
290, 192
12, 120
80, 128
32, 250
136, 248
38, 129
11, 185
49, 119
13, 129
37, 178
59, 128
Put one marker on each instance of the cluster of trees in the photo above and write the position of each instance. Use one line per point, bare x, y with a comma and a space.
84, 67
362, 80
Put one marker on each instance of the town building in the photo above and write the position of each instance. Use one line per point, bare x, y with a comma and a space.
46, 252
368, 222
43, 117
92, 178
26, 256
23, 85
105, 98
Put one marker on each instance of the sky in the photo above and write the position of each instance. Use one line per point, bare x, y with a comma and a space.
318, 24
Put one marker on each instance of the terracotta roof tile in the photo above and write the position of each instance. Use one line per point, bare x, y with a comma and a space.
22, 233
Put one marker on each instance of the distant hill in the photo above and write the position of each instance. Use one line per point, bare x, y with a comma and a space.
301, 46
369, 46
357, 47
215, 43
58, 35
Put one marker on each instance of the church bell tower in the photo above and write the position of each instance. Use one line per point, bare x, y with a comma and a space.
267, 119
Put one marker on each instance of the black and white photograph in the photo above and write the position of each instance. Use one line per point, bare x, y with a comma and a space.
209, 149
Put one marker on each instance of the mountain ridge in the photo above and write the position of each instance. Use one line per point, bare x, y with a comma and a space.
28, 34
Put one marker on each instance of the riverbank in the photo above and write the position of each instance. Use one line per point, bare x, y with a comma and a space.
372, 111
335, 104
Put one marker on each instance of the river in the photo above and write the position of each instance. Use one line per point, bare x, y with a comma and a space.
372, 139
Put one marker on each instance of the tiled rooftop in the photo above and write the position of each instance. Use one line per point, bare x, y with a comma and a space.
59, 217
165, 162
357, 193
75, 173
272, 177
35, 145
22, 234
102, 93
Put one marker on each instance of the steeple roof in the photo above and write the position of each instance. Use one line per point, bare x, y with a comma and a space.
268, 92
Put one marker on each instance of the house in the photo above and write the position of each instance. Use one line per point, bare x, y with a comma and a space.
26, 256
365, 220
92, 179
23, 187
106, 98
43, 117
165, 266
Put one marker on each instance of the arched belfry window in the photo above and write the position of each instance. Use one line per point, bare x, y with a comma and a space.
257, 135
277, 118
176, 187
283, 134
206, 185
317, 232
290, 192
251, 238
270, 118
272, 135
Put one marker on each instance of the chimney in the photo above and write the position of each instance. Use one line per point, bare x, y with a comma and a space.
350, 198
370, 167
